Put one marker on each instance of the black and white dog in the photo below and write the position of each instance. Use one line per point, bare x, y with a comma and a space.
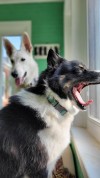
35, 126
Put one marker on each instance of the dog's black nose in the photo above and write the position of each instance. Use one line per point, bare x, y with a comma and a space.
14, 74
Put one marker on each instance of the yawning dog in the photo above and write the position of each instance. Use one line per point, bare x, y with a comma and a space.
35, 125
24, 67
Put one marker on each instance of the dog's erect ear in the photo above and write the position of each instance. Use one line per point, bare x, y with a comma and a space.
8, 46
52, 59
26, 43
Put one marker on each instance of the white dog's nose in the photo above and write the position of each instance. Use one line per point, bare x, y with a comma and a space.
14, 74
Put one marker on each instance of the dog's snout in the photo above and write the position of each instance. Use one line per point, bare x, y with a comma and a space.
14, 74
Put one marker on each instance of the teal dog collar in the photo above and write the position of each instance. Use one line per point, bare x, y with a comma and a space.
56, 105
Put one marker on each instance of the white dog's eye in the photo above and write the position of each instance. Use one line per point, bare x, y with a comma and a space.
22, 59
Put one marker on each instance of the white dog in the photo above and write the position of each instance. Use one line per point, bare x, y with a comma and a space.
24, 67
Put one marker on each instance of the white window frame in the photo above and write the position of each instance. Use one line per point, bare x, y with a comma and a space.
11, 28
93, 125
75, 48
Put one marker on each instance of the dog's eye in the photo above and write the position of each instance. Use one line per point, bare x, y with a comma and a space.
22, 59
82, 67
78, 70
12, 61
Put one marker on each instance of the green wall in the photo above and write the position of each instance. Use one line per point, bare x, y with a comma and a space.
47, 22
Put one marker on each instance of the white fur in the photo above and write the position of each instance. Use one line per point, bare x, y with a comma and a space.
29, 65
56, 136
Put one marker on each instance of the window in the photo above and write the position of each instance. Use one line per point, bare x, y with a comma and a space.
94, 54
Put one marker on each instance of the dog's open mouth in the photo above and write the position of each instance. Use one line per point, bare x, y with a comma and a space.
20, 81
77, 96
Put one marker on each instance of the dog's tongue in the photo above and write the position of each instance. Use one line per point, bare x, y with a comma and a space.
18, 81
79, 98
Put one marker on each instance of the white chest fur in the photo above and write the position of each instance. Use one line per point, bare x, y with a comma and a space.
56, 136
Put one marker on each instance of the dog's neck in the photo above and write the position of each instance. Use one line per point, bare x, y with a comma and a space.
65, 104
56, 105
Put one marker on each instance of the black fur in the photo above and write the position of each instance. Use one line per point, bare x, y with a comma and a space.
19, 142
21, 150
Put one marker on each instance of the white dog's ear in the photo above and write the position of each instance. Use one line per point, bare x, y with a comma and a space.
26, 43
9, 47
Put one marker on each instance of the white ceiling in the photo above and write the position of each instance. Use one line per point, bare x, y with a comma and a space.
27, 1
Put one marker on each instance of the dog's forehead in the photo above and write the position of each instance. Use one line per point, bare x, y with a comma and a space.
18, 54
69, 66
72, 64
